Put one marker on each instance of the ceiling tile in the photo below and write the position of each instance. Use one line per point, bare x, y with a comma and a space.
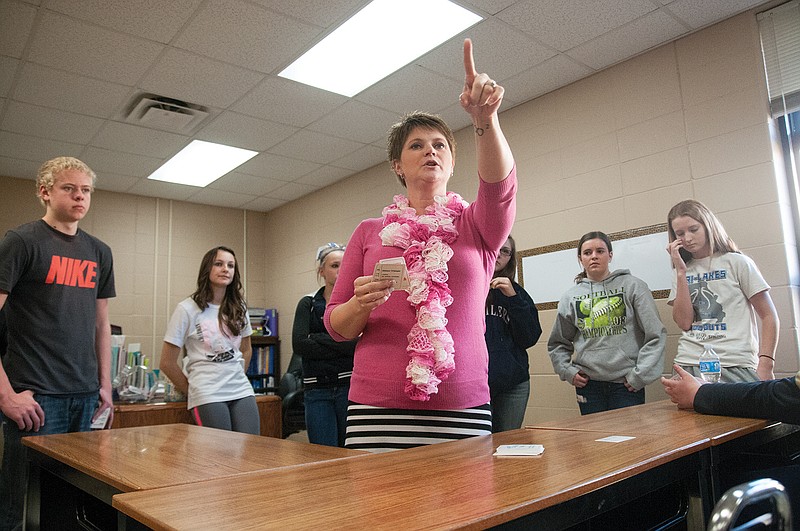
157, 21
8, 68
457, 118
19, 168
264, 204
242, 131
86, 49
490, 6
49, 87
246, 35
553, 73
356, 121
220, 198
288, 102
56, 62
117, 136
35, 149
291, 191
102, 160
700, 14
628, 40
499, 50
324, 176
49, 123
361, 159
564, 24
16, 21
315, 147
277, 167
150, 188
253, 185
115, 183
399, 92
185, 76
322, 13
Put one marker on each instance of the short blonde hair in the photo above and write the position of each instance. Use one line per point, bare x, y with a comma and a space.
48, 171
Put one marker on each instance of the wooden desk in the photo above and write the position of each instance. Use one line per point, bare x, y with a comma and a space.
659, 418
107, 462
132, 415
728, 436
442, 486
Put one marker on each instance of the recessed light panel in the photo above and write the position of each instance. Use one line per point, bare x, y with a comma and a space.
201, 163
378, 40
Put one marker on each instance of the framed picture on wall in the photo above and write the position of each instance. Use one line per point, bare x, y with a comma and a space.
547, 272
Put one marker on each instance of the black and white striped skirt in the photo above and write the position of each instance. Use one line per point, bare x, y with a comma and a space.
378, 429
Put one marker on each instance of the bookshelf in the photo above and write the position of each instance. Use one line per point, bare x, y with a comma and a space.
265, 363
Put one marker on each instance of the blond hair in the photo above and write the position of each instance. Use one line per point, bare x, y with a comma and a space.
47, 173
718, 239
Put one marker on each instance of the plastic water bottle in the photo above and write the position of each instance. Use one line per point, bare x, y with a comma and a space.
709, 364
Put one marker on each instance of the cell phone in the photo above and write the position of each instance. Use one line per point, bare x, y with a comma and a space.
100, 422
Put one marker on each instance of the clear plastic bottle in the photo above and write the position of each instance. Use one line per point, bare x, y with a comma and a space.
709, 364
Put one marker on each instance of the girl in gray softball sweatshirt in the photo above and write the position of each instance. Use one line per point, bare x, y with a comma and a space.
608, 331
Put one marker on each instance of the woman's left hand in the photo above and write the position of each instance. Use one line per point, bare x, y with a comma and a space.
504, 285
481, 96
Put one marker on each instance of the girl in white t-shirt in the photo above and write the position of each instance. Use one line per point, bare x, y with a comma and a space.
214, 328
717, 294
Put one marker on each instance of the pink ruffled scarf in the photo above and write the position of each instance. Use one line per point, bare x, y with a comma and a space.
426, 242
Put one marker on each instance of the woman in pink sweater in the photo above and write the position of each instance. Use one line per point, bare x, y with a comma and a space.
421, 365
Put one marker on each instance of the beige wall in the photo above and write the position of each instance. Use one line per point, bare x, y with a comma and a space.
157, 246
611, 152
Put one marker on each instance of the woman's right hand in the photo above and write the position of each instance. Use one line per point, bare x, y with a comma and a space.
673, 248
504, 285
371, 293
580, 379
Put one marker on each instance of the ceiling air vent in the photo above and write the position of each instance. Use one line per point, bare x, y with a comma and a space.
167, 114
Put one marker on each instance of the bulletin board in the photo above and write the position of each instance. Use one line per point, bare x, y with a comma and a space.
549, 271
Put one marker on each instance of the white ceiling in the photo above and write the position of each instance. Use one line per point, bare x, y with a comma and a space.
70, 71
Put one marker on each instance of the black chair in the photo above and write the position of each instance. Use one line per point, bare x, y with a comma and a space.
290, 389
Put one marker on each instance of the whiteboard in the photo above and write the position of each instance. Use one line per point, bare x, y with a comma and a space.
547, 272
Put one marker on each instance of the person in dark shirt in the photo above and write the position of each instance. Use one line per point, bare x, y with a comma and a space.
55, 284
770, 399
512, 326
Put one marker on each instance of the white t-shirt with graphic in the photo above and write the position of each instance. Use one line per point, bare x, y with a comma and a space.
214, 363
720, 289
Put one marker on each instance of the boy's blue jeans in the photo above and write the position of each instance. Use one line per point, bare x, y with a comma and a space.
61, 415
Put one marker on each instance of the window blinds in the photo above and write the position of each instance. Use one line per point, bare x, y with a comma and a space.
780, 44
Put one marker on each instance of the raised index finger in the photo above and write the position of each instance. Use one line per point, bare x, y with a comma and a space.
469, 61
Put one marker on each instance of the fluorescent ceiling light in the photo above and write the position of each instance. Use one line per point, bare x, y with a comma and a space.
381, 38
201, 163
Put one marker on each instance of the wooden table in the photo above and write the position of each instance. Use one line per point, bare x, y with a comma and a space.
141, 414
107, 462
727, 435
442, 486
659, 418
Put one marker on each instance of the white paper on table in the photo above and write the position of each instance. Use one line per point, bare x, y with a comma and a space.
615, 438
519, 450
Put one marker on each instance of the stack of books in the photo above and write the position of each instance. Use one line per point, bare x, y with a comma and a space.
256, 316
263, 321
